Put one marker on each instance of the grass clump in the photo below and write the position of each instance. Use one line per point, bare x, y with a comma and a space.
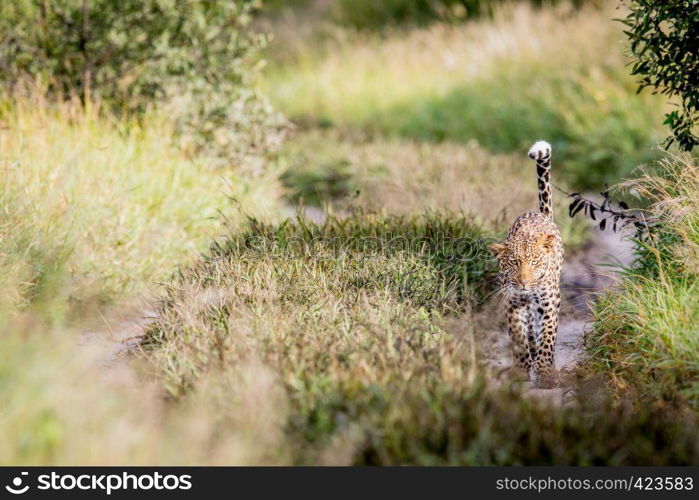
646, 333
372, 351
523, 75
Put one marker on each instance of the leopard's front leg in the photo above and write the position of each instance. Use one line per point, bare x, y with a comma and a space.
544, 362
520, 324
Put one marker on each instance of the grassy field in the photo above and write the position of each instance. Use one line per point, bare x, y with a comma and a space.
344, 172
355, 339
525, 74
358, 340
113, 204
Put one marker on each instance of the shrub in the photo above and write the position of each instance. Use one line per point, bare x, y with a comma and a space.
193, 56
664, 37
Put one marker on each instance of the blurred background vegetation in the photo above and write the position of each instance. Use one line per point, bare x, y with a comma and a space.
519, 72
377, 16
144, 145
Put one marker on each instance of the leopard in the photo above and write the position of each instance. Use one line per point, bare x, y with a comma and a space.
530, 261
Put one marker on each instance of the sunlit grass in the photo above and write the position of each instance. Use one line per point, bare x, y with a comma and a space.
108, 205
524, 75
94, 211
273, 347
402, 176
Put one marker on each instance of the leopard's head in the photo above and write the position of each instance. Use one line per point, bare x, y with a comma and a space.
524, 262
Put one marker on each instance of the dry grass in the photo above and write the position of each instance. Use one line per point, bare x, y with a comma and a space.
406, 177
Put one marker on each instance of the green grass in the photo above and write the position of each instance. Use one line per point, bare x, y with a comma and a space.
94, 211
391, 14
355, 340
524, 75
362, 350
112, 204
646, 335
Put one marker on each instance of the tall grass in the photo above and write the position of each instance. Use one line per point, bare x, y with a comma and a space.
94, 211
525, 74
111, 204
646, 334
355, 340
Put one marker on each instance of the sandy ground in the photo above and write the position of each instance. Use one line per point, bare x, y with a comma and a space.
113, 342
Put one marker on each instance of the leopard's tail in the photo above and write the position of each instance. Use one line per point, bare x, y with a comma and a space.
541, 153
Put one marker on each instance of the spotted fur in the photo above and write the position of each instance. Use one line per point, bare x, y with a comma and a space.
530, 262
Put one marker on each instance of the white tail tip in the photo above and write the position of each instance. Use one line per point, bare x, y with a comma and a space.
540, 149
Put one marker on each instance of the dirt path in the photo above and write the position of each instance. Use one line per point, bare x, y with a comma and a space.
116, 338
584, 274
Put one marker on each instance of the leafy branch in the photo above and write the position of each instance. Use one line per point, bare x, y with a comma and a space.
664, 36
611, 214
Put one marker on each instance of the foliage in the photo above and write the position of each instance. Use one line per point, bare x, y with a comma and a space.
664, 39
646, 332
194, 57
374, 16
613, 215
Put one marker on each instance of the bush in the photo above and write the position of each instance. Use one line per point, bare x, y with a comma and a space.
192, 56
664, 37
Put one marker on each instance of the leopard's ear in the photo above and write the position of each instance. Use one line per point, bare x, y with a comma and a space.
547, 241
496, 249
